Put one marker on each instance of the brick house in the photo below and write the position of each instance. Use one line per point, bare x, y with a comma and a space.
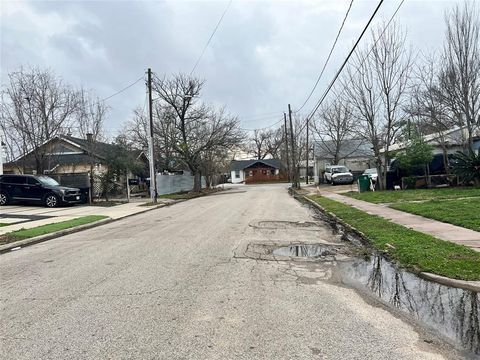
250, 171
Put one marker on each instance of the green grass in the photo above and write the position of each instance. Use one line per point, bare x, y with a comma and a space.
463, 212
47, 229
415, 195
4, 224
412, 249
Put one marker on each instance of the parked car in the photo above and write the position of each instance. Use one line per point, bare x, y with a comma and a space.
338, 174
36, 189
372, 174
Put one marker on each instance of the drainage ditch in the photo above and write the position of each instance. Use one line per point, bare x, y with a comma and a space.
452, 312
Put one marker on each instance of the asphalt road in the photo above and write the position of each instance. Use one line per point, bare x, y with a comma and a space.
174, 283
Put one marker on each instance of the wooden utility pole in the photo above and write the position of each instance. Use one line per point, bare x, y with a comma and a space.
286, 145
151, 152
306, 171
294, 160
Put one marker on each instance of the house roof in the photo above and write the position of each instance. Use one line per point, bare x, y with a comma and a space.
100, 151
351, 148
237, 165
452, 137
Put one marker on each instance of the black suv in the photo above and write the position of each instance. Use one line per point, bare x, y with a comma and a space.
36, 189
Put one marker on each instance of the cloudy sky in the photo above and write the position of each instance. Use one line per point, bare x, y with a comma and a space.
264, 55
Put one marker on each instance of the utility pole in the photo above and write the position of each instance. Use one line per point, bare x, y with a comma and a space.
306, 168
294, 160
153, 180
286, 145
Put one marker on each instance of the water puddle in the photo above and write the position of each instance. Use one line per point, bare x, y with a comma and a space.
453, 312
302, 250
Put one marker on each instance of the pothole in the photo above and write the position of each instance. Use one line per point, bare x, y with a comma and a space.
306, 250
286, 225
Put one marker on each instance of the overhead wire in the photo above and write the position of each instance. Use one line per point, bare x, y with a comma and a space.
122, 90
328, 57
371, 49
210, 38
322, 98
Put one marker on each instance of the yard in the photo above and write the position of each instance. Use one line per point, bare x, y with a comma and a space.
412, 249
382, 197
457, 206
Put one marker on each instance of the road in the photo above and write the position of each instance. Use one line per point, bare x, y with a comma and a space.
174, 283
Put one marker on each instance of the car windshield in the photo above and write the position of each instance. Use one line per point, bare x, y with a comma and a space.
340, 169
370, 171
45, 180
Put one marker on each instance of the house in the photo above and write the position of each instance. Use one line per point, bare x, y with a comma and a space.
66, 154
451, 141
70, 160
355, 154
255, 170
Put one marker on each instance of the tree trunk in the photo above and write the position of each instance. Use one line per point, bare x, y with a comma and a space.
197, 181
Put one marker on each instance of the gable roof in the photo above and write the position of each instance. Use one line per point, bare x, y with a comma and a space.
350, 148
100, 151
237, 165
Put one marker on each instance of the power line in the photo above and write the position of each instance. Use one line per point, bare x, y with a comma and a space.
211, 37
341, 67
328, 57
373, 46
266, 127
120, 91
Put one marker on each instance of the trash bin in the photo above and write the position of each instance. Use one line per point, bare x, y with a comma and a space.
363, 183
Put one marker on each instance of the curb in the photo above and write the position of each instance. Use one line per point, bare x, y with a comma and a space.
463, 284
38, 239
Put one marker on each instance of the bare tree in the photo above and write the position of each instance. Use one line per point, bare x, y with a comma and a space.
378, 89
426, 107
195, 129
91, 116
36, 106
334, 126
258, 144
460, 68
90, 126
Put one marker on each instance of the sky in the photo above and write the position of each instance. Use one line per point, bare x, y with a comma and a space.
264, 55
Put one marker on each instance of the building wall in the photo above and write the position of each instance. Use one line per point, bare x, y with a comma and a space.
238, 180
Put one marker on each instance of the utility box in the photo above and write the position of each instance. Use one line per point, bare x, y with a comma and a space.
363, 183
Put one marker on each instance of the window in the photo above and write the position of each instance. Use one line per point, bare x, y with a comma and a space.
237, 174
32, 181
17, 180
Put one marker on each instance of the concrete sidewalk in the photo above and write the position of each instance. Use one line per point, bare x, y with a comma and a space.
432, 227
48, 216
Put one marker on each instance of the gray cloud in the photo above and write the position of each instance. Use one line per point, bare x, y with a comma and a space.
264, 55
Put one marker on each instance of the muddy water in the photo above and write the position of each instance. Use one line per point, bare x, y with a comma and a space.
453, 312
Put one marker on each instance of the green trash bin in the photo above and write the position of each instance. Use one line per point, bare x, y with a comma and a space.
363, 183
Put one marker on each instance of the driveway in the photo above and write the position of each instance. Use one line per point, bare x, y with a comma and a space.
187, 282
21, 216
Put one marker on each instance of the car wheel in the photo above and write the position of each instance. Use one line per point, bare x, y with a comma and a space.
333, 183
3, 199
51, 200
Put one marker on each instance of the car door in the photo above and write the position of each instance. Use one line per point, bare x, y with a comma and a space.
33, 190
328, 175
16, 186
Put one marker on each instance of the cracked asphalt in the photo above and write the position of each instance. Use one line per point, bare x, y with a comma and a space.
179, 283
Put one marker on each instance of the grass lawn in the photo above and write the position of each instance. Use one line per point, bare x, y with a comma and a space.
415, 195
463, 212
412, 249
47, 229
4, 224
